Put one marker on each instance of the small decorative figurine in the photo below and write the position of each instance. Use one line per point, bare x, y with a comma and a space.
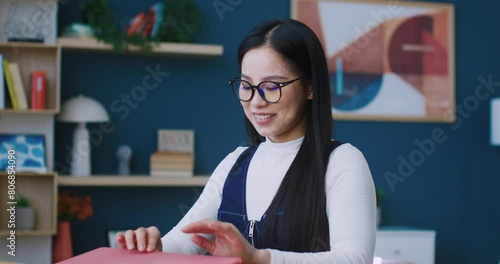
124, 154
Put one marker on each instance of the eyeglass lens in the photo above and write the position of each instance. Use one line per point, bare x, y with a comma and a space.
268, 90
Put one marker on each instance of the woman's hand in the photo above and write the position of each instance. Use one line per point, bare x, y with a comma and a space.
142, 239
229, 242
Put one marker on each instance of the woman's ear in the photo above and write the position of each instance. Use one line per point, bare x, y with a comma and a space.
310, 93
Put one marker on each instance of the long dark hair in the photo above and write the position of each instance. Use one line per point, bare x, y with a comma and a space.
304, 224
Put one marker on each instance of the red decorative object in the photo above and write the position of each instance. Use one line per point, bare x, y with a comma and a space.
71, 206
63, 247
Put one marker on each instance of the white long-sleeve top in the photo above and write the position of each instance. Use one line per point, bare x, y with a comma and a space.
350, 203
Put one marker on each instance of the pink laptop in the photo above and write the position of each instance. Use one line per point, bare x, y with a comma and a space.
123, 256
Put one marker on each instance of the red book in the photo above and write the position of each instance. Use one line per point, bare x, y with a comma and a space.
38, 89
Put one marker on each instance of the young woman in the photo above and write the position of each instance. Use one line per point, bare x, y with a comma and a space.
294, 196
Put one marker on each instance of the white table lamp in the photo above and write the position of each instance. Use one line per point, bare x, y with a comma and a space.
82, 110
495, 122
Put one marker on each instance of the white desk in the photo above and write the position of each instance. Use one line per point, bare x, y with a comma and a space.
405, 243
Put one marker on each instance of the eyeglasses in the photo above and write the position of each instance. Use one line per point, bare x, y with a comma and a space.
269, 91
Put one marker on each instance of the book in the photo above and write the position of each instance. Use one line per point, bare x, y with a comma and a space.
158, 9
10, 84
171, 173
172, 156
38, 89
2, 84
18, 86
135, 24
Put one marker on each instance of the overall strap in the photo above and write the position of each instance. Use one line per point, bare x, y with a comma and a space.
233, 204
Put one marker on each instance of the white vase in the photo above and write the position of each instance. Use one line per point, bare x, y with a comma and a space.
25, 218
379, 215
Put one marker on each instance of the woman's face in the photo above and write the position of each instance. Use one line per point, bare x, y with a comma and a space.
282, 121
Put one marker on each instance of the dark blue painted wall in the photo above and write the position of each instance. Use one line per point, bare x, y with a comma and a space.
454, 191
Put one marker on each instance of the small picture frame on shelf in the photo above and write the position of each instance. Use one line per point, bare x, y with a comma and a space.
28, 21
111, 233
27, 150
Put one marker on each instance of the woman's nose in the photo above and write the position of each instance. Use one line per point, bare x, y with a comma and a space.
258, 98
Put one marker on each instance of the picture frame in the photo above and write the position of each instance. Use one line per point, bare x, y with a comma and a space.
29, 21
30, 152
387, 60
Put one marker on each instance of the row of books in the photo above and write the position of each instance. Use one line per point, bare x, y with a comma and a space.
147, 24
169, 163
11, 85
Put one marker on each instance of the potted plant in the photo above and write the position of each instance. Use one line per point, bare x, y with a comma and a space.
180, 20
25, 214
379, 195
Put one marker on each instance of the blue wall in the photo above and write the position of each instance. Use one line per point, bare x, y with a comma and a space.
454, 191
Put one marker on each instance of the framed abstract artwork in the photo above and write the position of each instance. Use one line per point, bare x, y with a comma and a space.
29, 152
387, 60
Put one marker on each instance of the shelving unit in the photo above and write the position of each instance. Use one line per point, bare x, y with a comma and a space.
41, 191
135, 180
174, 49
31, 57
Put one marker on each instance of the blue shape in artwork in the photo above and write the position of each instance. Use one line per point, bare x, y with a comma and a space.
3, 149
32, 163
4, 163
22, 148
37, 152
357, 92
340, 81
34, 140
7, 138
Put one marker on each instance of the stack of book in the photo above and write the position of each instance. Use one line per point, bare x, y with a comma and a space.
172, 164
11, 81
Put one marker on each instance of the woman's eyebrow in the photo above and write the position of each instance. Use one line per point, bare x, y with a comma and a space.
267, 78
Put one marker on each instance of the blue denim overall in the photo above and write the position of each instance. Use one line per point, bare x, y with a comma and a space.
233, 207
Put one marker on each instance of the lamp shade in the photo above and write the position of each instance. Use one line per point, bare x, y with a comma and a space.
495, 122
83, 109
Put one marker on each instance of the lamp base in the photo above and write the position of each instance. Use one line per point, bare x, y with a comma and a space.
80, 162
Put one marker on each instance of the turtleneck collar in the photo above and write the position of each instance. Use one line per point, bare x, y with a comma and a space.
293, 145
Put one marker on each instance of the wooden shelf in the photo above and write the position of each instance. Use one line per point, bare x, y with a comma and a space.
28, 233
135, 180
179, 49
30, 112
27, 45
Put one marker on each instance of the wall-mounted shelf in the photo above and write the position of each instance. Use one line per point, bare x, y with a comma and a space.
29, 112
135, 180
174, 49
27, 233
28, 45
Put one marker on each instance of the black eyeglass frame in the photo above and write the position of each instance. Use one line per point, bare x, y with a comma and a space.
255, 87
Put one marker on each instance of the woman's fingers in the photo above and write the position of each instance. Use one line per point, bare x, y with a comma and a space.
207, 226
204, 243
120, 240
153, 239
140, 237
130, 239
